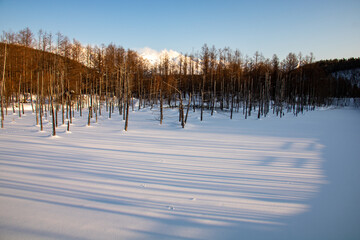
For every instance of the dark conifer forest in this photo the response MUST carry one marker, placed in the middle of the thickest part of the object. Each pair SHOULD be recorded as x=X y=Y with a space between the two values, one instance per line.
x=58 y=77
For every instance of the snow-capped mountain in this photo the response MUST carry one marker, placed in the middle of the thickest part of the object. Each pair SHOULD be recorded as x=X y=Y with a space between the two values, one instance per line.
x=155 y=57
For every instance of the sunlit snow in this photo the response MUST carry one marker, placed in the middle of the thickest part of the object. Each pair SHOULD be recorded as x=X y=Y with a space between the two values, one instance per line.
x=288 y=178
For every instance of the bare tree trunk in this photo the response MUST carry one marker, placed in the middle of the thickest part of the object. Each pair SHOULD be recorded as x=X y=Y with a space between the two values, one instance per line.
x=56 y=114
x=214 y=99
x=124 y=94
x=232 y=91
x=260 y=103
x=70 y=106
x=119 y=74
x=250 y=103
x=52 y=107
x=232 y=105
x=161 y=107
x=181 y=108
x=106 y=90
x=62 y=98
x=127 y=113
x=37 y=108
x=80 y=92
x=89 y=116
x=127 y=103
x=31 y=98
x=202 y=105
x=188 y=108
x=246 y=103
x=41 y=123
x=19 y=98
x=96 y=108
x=110 y=108
x=100 y=93
x=41 y=101
x=132 y=103
x=2 y=88
x=24 y=100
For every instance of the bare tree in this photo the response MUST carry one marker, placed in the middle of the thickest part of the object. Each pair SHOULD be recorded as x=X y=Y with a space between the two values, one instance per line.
x=2 y=87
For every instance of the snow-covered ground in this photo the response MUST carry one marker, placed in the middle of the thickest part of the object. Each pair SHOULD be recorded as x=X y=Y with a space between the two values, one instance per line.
x=288 y=178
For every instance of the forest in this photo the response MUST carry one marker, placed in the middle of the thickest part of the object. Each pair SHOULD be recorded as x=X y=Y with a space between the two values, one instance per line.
x=58 y=76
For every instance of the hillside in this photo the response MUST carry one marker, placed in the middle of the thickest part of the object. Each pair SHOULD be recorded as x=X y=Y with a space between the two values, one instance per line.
x=23 y=65
x=352 y=75
x=346 y=69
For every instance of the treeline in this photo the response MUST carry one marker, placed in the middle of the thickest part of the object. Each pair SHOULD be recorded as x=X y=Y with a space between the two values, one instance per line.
x=59 y=75
x=336 y=65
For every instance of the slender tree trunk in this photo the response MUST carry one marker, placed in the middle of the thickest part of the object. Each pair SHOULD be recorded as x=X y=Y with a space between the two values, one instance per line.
x=250 y=103
x=181 y=108
x=31 y=96
x=41 y=101
x=188 y=108
x=128 y=93
x=100 y=93
x=132 y=103
x=62 y=98
x=53 y=115
x=260 y=104
x=232 y=105
x=67 y=105
x=13 y=102
x=110 y=106
x=161 y=107
x=24 y=100
x=96 y=108
x=37 y=107
x=127 y=114
x=19 y=98
x=80 y=92
x=214 y=99
x=2 y=88
x=106 y=91
x=56 y=114
x=202 y=105
x=246 y=104
x=89 y=116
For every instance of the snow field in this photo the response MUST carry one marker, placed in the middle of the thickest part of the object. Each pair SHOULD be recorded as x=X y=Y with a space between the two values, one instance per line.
x=216 y=179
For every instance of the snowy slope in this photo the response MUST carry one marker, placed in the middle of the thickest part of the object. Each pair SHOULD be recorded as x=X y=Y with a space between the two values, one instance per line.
x=289 y=178
x=353 y=75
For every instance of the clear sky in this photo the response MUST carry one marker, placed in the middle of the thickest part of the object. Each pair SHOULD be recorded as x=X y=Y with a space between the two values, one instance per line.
x=328 y=28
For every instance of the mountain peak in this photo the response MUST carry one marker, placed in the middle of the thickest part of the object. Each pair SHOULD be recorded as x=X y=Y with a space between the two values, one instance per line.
x=154 y=56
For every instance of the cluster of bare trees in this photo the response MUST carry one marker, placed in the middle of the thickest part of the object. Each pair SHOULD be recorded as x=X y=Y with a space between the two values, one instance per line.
x=58 y=76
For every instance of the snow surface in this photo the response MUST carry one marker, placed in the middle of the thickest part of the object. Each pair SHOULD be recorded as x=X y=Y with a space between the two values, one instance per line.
x=288 y=178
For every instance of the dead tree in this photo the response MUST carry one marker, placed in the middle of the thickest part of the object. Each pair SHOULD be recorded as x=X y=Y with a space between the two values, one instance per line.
x=52 y=107
x=128 y=93
x=188 y=108
x=181 y=107
x=41 y=101
x=161 y=107
x=2 y=89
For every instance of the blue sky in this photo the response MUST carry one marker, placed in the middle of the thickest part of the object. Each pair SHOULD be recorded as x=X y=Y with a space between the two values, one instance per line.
x=329 y=29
